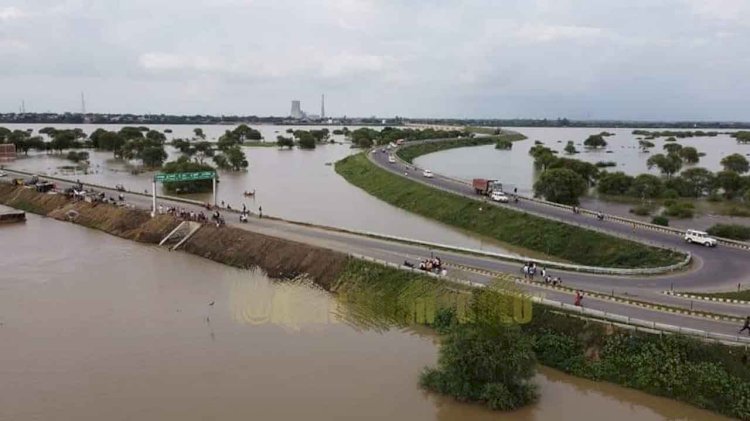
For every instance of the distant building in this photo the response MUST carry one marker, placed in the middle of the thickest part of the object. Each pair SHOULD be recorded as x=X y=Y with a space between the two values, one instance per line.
x=322 y=106
x=297 y=110
x=7 y=152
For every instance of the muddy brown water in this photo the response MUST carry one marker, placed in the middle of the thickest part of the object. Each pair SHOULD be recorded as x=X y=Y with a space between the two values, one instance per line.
x=93 y=327
x=294 y=184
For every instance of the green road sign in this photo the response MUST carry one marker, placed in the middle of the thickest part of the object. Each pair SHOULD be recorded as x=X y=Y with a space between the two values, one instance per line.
x=185 y=176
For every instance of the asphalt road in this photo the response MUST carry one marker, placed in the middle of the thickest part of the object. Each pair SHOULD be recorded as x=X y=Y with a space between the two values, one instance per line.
x=719 y=268
x=396 y=252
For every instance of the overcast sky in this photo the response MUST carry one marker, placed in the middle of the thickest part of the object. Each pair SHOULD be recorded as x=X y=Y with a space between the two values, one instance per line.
x=590 y=59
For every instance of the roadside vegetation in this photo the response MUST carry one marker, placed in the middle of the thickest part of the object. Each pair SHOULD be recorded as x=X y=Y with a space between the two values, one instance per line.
x=366 y=137
x=493 y=363
x=409 y=152
x=552 y=238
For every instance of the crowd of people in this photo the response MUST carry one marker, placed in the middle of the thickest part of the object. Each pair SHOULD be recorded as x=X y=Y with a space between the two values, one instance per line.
x=434 y=265
x=530 y=270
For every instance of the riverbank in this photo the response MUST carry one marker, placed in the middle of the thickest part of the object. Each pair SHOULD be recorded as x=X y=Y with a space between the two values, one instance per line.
x=279 y=258
x=709 y=376
x=411 y=151
x=552 y=238
x=402 y=298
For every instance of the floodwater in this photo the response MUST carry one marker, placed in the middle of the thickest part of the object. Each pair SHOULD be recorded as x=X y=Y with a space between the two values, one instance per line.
x=94 y=327
x=292 y=184
x=514 y=168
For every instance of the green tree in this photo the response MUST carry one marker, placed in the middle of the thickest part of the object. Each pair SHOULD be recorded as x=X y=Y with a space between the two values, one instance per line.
x=490 y=366
x=699 y=182
x=243 y=133
x=285 y=142
x=221 y=161
x=504 y=144
x=111 y=141
x=156 y=136
x=595 y=141
x=306 y=140
x=199 y=133
x=236 y=158
x=730 y=182
x=646 y=186
x=617 y=183
x=78 y=156
x=202 y=150
x=668 y=165
x=129 y=133
x=645 y=144
x=561 y=185
x=689 y=154
x=35 y=142
x=735 y=162
x=570 y=148
x=672 y=147
x=4 y=134
x=153 y=156
x=63 y=139
x=588 y=171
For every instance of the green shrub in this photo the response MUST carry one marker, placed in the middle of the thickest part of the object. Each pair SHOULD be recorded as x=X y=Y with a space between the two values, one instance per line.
x=671 y=194
x=478 y=364
x=733 y=231
x=641 y=210
x=660 y=220
x=680 y=210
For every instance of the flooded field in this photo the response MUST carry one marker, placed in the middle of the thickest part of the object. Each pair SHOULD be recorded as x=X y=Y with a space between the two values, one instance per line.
x=515 y=167
x=293 y=184
x=94 y=327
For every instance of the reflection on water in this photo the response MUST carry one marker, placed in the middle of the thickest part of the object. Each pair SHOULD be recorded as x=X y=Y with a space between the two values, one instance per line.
x=291 y=304
x=93 y=327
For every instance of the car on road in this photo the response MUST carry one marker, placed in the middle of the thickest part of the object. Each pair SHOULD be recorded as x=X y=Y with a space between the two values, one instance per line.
x=391 y=159
x=499 y=196
x=427 y=173
x=3 y=174
x=700 y=237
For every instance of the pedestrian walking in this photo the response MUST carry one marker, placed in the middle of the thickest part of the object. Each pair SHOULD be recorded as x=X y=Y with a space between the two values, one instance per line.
x=746 y=327
x=260 y=211
x=544 y=272
x=525 y=271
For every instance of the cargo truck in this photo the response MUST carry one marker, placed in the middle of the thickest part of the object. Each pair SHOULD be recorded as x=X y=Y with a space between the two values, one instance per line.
x=486 y=187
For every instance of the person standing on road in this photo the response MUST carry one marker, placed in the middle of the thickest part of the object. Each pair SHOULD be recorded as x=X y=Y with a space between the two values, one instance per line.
x=746 y=326
x=260 y=211
x=579 y=297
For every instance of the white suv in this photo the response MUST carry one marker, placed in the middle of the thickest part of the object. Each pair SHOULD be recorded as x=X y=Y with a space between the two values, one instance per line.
x=700 y=237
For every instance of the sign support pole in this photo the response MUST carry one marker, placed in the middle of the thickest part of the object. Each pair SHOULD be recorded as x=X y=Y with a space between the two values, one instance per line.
x=213 y=179
x=153 y=198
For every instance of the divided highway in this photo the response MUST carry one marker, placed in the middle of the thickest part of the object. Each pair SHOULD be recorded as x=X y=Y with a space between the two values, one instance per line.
x=734 y=264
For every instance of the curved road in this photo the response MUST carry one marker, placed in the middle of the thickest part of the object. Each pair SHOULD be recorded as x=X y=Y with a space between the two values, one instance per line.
x=396 y=252
x=719 y=268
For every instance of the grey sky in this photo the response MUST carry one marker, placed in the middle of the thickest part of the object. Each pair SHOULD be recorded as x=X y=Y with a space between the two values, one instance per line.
x=635 y=59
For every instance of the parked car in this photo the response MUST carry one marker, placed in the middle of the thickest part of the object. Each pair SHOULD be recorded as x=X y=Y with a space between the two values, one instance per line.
x=427 y=173
x=700 y=237
x=391 y=159
x=499 y=196
x=3 y=174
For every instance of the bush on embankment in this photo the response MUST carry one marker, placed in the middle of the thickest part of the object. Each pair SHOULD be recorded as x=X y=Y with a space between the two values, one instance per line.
x=711 y=376
x=733 y=231
x=555 y=239
x=409 y=152
x=707 y=375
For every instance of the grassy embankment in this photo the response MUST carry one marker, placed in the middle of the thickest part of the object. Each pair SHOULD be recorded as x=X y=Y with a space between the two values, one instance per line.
x=555 y=239
x=409 y=152
x=710 y=376
x=735 y=295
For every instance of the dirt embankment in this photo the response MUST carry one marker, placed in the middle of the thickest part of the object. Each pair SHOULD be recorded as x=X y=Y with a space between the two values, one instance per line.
x=232 y=246
x=278 y=257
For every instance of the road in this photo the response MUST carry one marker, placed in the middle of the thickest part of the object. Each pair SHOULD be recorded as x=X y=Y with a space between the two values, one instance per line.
x=645 y=288
x=720 y=268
